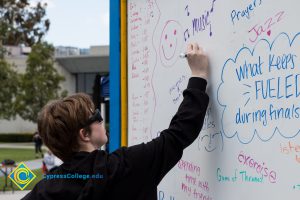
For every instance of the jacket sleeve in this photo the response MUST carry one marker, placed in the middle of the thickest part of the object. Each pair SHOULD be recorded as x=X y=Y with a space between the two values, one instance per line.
x=153 y=160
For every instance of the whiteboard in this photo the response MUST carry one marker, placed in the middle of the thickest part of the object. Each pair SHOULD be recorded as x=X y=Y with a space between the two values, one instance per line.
x=249 y=146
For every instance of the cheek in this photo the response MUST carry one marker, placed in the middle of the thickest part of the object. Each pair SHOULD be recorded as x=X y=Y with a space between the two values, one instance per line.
x=102 y=133
x=98 y=131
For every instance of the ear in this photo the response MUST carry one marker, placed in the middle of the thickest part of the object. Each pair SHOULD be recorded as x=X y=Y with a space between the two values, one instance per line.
x=84 y=135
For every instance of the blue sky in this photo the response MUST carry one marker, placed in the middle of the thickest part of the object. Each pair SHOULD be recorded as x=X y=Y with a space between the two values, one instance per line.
x=78 y=23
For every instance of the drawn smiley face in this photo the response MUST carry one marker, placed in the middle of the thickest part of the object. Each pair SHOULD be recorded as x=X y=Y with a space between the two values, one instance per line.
x=211 y=141
x=170 y=43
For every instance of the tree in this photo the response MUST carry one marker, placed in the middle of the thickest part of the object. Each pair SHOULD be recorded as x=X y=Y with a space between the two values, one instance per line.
x=40 y=83
x=9 y=82
x=22 y=23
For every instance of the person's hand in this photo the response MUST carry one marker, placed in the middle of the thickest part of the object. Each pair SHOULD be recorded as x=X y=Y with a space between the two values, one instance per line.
x=197 y=61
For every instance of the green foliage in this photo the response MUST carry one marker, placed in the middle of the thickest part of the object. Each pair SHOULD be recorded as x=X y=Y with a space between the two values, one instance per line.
x=9 y=82
x=40 y=83
x=25 y=94
x=22 y=23
x=16 y=137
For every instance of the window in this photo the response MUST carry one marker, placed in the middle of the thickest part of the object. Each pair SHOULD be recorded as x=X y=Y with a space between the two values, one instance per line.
x=85 y=82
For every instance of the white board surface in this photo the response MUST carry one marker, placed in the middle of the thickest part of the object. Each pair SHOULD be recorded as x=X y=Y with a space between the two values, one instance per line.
x=249 y=146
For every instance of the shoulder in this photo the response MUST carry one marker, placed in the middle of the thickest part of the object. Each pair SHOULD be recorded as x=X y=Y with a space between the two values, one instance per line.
x=36 y=191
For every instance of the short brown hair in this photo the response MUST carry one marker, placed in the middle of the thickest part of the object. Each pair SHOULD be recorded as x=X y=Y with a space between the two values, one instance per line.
x=59 y=123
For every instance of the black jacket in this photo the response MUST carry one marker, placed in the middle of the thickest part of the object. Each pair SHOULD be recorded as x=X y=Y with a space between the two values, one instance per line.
x=134 y=172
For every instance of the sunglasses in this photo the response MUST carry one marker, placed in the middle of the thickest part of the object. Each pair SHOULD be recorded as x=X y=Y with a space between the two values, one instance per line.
x=95 y=117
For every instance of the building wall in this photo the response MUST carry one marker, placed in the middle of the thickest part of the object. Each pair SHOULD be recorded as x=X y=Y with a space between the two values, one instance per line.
x=17 y=126
x=70 y=79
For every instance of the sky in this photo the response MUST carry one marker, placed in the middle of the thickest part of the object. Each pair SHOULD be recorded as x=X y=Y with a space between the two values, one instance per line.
x=77 y=23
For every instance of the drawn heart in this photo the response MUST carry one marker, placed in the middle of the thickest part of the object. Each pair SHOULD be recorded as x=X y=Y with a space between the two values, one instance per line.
x=269 y=32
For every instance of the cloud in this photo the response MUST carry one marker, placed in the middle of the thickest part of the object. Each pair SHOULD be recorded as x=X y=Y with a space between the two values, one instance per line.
x=104 y=28
x=260 y=90
x=105 y=19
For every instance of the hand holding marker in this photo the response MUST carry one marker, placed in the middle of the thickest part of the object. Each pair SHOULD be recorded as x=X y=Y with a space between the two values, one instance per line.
x=184 y=55
x=197 y=60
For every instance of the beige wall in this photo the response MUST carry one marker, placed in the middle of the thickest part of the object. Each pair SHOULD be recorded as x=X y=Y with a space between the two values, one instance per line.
x=17 y=126
x=70 y=79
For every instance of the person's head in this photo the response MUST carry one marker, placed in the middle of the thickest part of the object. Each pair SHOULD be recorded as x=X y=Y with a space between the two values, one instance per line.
x=70 y=125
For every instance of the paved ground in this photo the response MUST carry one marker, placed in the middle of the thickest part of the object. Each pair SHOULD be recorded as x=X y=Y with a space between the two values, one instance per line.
x=17 y=195
x=29 y=145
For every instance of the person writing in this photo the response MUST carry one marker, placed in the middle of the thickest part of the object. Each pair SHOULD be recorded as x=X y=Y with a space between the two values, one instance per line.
x=73 y=130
